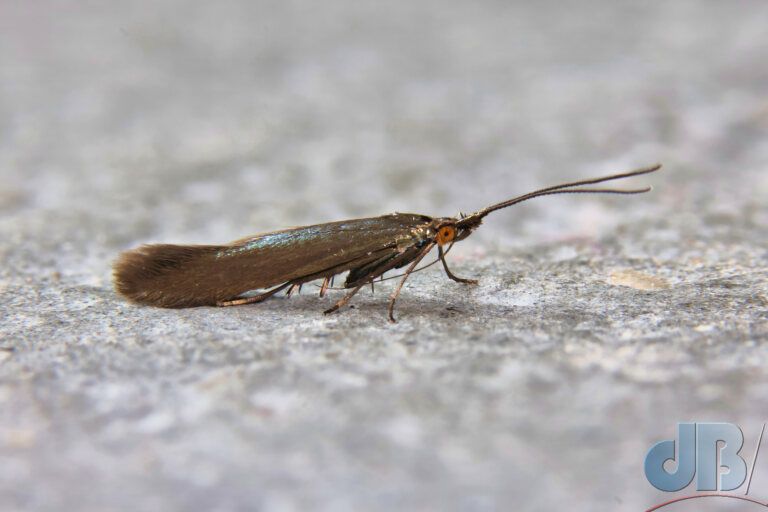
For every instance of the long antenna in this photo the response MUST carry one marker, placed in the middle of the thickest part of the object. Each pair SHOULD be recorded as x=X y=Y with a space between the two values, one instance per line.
x=474 y=219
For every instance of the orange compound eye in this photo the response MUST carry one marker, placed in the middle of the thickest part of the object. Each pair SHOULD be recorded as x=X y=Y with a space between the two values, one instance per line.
x=446 y=234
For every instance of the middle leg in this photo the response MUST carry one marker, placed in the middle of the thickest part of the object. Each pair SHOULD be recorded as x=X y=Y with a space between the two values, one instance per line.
x=409 y=270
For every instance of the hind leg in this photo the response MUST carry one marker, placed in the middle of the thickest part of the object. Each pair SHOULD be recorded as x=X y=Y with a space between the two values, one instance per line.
x=254 y=299
x=341 y=303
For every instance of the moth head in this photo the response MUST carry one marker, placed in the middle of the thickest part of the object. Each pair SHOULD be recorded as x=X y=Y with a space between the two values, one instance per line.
x=447 y=231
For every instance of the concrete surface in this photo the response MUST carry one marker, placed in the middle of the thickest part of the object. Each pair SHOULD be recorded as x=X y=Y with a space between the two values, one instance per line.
x=598 y=324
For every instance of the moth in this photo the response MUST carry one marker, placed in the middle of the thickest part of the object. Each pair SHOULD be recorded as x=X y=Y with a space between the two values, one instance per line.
x=181 y=276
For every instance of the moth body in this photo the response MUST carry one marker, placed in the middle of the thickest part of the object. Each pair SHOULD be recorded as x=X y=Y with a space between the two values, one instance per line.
x=179 y=276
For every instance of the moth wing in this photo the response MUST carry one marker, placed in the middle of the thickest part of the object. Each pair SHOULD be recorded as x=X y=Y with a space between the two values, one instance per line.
x=183 y=276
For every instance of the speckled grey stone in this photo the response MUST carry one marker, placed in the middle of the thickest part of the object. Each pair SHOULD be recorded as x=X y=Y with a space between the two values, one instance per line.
x=598 y=323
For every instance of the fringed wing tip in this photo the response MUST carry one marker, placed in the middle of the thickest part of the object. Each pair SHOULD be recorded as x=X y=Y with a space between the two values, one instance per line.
x=158 y=275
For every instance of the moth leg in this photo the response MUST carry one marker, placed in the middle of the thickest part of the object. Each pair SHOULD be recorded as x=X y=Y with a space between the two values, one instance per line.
x=448 y=271
x=341 y=303
x=365 y=275
x=324 y=286
x=390 y=263
x=251 y=300
x=408 y=271
x=293 y=288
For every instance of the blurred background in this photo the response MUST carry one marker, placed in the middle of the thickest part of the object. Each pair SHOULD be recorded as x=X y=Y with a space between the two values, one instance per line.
x=204 y=122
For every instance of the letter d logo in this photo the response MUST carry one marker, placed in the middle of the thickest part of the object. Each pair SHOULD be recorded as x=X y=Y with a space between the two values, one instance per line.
x=663 y=451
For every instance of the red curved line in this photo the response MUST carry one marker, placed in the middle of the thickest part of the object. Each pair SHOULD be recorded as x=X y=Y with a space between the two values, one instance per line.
x=713 y=495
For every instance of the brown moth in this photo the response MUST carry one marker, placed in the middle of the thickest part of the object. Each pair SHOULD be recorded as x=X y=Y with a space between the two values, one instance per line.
x=180 y=276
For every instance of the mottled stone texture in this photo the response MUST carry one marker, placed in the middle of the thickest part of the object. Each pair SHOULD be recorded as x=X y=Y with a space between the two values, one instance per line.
x=598 y=322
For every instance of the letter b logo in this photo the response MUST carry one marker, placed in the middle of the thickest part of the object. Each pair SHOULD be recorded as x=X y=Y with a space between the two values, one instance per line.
x=697 y=453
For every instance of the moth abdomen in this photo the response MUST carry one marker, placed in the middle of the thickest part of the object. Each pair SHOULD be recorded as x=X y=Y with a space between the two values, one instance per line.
x=171 y=276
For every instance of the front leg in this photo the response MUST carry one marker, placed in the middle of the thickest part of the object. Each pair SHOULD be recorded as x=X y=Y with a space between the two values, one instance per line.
x=441 y=255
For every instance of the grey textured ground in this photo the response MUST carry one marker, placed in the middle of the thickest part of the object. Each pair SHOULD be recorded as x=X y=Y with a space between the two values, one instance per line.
x=540 y=389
